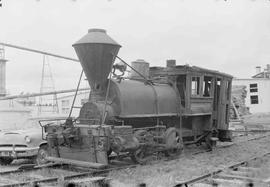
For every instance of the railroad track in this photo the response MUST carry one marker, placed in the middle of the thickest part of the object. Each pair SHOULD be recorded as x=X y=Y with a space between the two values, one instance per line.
x=37 y=176
x=55 y=173
x=238 y=174
x=244 y=173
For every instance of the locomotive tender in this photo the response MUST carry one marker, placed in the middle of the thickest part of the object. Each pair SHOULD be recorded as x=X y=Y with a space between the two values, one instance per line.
x=154 y=110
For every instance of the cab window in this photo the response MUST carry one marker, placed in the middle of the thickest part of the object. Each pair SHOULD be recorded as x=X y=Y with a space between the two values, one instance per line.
x=207 y=86
x=195 y=86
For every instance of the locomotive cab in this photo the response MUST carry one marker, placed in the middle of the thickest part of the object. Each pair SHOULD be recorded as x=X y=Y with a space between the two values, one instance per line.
x=205 y=99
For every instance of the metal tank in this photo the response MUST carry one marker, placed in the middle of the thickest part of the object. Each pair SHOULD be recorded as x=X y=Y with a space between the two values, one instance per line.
x=135 y=99
x=96 y=52
x=140 y=66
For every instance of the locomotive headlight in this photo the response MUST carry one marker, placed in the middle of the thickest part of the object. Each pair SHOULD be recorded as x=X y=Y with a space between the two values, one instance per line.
x=27 y=139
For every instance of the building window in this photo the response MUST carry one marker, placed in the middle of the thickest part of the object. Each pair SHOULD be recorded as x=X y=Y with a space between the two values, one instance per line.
x=65 y=106
x=254 y=99
x=65 y=103
x=65 y=110
x=253 y=87
x=195 y=86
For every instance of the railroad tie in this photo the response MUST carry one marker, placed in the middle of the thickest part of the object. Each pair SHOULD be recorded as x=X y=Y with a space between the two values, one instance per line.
x=89 y=182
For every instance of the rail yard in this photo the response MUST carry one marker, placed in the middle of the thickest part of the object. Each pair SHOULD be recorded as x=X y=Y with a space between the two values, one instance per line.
x=139 y=125
x=145 y=93
x=158 y=126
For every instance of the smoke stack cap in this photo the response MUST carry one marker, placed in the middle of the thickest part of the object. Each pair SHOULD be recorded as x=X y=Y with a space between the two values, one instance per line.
x=96 y=36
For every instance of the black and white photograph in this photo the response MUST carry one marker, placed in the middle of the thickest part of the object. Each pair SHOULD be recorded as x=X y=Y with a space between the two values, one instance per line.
x=135 y=93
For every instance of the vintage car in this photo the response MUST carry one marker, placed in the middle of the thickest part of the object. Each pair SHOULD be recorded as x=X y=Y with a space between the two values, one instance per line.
x=26 y=143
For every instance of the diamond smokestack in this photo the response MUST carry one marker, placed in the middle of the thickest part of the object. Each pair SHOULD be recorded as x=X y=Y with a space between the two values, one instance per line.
x=96 y=52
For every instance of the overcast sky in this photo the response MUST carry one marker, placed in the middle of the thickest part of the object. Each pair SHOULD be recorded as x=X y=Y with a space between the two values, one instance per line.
x=231 y=36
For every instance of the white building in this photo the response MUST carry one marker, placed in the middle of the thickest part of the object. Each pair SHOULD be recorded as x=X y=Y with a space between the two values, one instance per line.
x=258 y=90
x=64 y=103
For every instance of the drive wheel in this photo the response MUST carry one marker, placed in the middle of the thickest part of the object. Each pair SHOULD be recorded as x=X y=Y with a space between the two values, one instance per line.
x=42 y=154
x=140 y=156
x=140 y=135
x=5 y=161
x=173 y=141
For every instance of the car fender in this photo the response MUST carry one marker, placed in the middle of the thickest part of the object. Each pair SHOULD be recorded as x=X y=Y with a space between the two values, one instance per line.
x=43 y=143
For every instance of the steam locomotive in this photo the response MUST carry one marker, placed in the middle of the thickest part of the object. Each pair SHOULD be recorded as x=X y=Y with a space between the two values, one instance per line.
x=153 y=110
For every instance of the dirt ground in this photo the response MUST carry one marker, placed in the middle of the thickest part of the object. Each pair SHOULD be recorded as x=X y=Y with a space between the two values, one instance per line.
x=188 y=166
x=260 y=118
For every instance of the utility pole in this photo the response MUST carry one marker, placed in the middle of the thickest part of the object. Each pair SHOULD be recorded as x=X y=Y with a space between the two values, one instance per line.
x=3 y=61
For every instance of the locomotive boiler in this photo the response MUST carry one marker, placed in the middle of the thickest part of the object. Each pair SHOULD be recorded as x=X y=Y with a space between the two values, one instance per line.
x=153 y=110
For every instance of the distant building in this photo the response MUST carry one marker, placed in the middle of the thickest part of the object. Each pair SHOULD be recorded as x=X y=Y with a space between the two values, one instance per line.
x=64 y=102
x=258 y=90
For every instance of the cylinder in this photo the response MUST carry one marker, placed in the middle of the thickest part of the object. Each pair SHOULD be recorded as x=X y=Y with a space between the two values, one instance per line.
x=140 y=66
